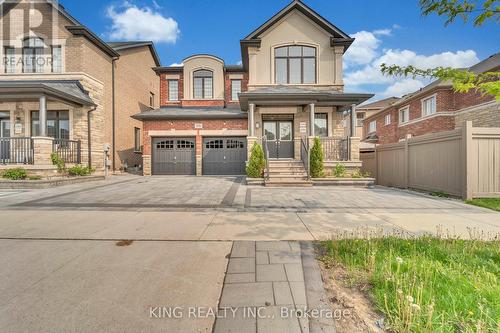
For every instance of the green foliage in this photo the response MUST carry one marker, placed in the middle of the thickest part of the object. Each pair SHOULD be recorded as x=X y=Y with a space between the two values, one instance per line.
x=360 y=174
x=339 y=171
x=80 y=170
x=58 y=162
x=426 y=284
x=440 y=194
x=317 y=159
x=34 y=177
x=257 y=163
x=15 y=174
x=463 y=81
x=491 y=203
x=451 y=9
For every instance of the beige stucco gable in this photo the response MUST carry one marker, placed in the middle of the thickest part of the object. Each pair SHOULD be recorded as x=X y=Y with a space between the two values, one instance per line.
x=296 y=28
x=208 y=62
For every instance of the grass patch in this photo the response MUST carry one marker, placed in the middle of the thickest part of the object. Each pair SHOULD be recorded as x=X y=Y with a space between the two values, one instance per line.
x=427 y=284
x=491 y=203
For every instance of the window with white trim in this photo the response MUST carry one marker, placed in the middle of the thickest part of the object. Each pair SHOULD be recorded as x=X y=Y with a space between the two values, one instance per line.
x=428 y=106
x=373 y=126
x=235 y=89
x=203 y=84
x=173 y=90
x=9 y=60
x=56 y=59
x=33 y=55
x=295 y=64
x=360 y=116
x=387 y=119
x=404 y=115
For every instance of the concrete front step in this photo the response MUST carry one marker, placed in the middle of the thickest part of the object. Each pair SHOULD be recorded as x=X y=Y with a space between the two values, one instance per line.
x=273 y=173
x=274 y=183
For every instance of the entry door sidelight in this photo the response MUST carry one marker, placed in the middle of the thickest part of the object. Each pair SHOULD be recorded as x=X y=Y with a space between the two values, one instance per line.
x=4 y=144
x=279 y=136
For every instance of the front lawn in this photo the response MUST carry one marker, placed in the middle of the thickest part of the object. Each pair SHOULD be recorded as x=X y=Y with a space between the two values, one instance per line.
x=491 y=203
x=427 y=284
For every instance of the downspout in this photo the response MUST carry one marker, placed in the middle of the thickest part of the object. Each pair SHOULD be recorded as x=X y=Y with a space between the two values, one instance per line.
x=113 y=116
x=89 y=135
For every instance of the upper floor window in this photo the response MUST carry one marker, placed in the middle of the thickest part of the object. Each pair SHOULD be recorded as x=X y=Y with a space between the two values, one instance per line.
x=173 y=90
x=295 y=65
x=151 y=99
x=404 y=115
x=235 y=89
x=56 y=59
x=428 y=106
x=203 y=84
x=9 y=60
x=388 y=119
x=373 y=126
x=33 y=55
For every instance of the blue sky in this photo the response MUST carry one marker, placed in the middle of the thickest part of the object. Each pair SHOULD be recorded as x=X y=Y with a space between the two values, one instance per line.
x=386 y=31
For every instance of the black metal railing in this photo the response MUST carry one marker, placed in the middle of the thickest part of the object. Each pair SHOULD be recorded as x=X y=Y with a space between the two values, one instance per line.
x=16 y=150
x=266 y=157
x=304 y=155
x=68 y=150
x=335 y=148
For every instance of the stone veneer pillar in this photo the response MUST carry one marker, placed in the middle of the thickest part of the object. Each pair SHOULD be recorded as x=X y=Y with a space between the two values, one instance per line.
x=354 y=147
x=146 y=165
x=42 y=149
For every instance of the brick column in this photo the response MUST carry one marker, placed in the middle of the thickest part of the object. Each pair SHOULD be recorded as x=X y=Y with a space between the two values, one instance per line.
x=354 y=148
x=146 y=165
x=199 y=152
x=42 y=148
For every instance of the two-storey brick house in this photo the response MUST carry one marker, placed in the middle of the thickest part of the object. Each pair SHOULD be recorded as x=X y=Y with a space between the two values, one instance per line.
x=434 y=108
x=288 y=90
x=64 y=90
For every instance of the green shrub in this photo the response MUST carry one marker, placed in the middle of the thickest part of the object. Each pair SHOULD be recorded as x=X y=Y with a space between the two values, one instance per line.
x=15 y=174
x=360 y=174
x=257 y=163
x=80 y=170
x=58 y=162
x=34 y=177
x=339 y=171
x=316 y=159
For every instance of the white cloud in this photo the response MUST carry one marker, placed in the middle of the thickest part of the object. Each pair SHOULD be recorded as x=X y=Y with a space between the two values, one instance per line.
x=239 y=63
x=132 y=23
x=363 y=64
x=177 y=64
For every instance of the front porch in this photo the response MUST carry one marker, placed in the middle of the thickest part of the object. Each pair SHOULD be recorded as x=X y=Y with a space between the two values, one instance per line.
x=286 y=120
x=39 y=118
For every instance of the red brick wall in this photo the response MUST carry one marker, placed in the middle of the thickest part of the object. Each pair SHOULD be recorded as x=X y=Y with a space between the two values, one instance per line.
x=446 y=101
x=227 y=90
x=166 y=125
x=202 y=102
x=164 y=91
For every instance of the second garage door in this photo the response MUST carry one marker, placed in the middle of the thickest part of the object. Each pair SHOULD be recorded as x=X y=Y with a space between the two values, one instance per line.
x=173 y=156
x=224 y=156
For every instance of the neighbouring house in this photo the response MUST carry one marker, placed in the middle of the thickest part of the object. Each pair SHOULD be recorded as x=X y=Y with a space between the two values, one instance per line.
x=434 y=108
x=288 y=90
x=64 y=90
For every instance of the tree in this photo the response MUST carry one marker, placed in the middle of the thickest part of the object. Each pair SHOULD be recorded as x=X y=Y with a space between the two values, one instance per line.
x=487 y=83
x=316 y=159
x=257 y=163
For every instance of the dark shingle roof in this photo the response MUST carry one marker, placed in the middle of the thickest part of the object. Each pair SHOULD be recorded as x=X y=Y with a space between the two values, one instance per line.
x=191 y=113
x=69 y=90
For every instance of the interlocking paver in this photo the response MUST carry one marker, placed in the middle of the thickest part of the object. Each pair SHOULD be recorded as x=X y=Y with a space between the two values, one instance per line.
x=271 y=273
x=273 y=246
x=273 y=322
x=282 y=293
x=294 y=272
x=247 y=294
x=243 y=249
x=239 y=322
x=262 y=257
x=284 y=257
x=240 y=278
x=241 y=265
x=298 y=293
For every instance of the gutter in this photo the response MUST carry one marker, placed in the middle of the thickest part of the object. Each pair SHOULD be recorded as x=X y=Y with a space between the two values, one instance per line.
x=89 y=136
x=113 y=112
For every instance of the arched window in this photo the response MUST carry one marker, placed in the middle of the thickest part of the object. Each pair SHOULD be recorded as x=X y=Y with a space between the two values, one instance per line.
x=203 y=84
x=33 y=60
x=295 y=64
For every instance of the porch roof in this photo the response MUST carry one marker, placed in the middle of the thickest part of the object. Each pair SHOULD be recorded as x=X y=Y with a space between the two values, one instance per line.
x=66 y=90
x=287 y=95
x=178 y=113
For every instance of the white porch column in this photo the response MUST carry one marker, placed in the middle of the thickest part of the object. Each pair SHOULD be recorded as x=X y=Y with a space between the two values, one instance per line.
x=42 y=116
x=353 y=120
x=311 y=119
x=251 y=120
